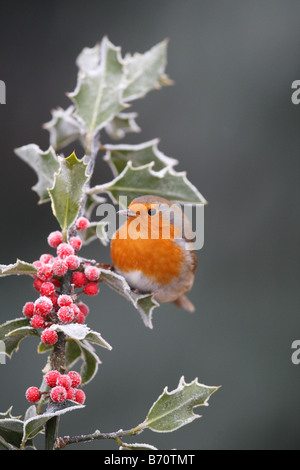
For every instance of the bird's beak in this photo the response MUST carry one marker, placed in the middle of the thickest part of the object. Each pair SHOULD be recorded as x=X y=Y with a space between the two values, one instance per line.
x=127 y=213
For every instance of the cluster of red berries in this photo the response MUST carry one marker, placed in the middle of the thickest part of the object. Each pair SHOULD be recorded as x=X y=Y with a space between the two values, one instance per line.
x=53 y=306
x=63 y=387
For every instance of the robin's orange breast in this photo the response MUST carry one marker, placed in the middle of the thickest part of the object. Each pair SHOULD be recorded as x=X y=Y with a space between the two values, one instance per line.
x=159 y=259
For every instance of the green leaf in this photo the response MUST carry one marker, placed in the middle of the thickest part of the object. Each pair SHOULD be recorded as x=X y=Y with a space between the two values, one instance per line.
x=80 y=332
x=121 y=125
x=167 y=183
x=63 y=128
x=72 y=352
x=96 y=230
x=18 y=268
x=13 y=331
x=146 y=71
x=118 y=156
x=144 y=303
x=98 y=94
x=175 y=409
x=90 y=363
x=11 y=431
x=67 y=191
x=45 y=164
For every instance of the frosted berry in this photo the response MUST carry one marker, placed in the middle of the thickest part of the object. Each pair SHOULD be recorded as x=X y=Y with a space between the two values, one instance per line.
x=76 y=243
x=65 y=381
x=47 y=289
x=59 y=267
x=80 y=318
x=54 y=299
x=56 y=283
x=79 y=279
x=64 y=250
x=73 y=262
x=37 y=321
x=58 y=394
x=55 y=239
x=75 y=378
x=43 y=306
x=49 y=336
x=79 y=396
x=70 y=393
x=28 y=309
x=82 y=223
x=51 y=378
x=37 y=284
x=65 y=314
x=92 y=273
x=64 y=300
x=83 y=308
x=45 y=272
x=33 y=394
x=46 y=258
x=91 y=288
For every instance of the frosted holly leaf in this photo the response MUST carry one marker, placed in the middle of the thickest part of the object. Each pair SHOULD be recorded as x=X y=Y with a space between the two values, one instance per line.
x=96 y=230
x=89 y=58
x=63 y=128
x=121 y=125
x=173 y=410
x=18 y=268
x=117 y=156
x=13 y=332
x=80 y=332
x=144 y=303
x=45 y=164
x=98 y=93
x=67 y=191
x=145 y=72
x=142 y=180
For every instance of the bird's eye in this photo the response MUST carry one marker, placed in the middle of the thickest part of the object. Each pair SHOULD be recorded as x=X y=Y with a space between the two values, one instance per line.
x=152 y=212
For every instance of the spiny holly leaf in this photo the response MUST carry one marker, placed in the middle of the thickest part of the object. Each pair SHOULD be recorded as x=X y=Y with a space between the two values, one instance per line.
x=144 y=303
x=98 y=94
x=175 y=409
x=13 y=331
x=121 y=125
x=11 y=431
x=146 y=71
x=142 y=180
x=96 y=230
x=80 y=332
x=63 y=128
x=45 y=164
x=67 y=191
x=18 y=268
x=118 y=156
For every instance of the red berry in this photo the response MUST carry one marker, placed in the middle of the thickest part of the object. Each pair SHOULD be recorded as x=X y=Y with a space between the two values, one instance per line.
x=51 y=377
x=75 y=378
x=45 y=272
x=55 y=239
x=91 y=288
x=47 y=289
x=83 y=308
x=92 y=273
x=37 y=284
x=43 y=306
x=79 y=396
x=65 y=314
x=49 y=336
x=80 y=318
x=33 y=394
x=53 y=299
x=64 y=250
x=65 y=381
x=79 y=279
x=64 y=300
x=58 y=394
x=70 y=393
x=82 y=223
x=46 y=258
x=37 y=321
x=28 y=309
x=73 y=262
x=76 y=243
x=56 y=282
x=59 y=267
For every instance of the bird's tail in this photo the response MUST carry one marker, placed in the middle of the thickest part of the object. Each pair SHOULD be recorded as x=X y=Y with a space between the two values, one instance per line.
x=184 y=302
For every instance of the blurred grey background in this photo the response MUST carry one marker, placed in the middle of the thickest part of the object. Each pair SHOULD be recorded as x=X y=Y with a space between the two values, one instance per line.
x=230 y=121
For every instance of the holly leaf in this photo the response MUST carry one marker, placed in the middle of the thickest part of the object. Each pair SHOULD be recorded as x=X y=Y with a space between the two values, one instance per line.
x=117 y=156
x=121 y=125
x=173 y=410
x=63 y=128
x=144 y=303
x=90 y=363
x=142 y=180
x=145 y=72
x=11 y=431
x=98 y=93
x=45 y=164
x=18 y=268
x=67 y=191
x=80 y=332
x=96 y=230
x=13 y=331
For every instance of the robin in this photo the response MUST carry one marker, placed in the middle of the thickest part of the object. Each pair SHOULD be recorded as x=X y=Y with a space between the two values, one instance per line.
x=153 y=252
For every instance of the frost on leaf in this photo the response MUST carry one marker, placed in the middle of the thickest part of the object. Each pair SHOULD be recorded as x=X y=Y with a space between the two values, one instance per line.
x=63 y=128
x=18 y=268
